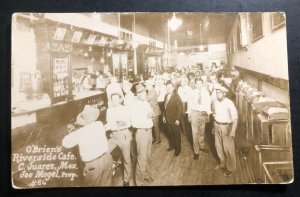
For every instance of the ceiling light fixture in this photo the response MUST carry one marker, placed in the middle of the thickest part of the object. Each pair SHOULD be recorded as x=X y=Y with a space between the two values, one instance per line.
x=201 y=47
x=174 y=22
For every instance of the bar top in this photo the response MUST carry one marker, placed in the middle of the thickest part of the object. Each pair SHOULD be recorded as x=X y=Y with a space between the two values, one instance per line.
x=36 y=105
x=86 y=94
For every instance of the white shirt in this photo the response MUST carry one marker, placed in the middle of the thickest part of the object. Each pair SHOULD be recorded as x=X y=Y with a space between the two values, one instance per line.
x=129 y=99
x=139 y=115
x=118 y=114
x=225 y=111
x=183 y=92
x=214 y=95
x=161 y=92
x=113 y=88
x=100 y=83
x=193 y=100
x=86 y=83
x=167 y=99
x=91 y=140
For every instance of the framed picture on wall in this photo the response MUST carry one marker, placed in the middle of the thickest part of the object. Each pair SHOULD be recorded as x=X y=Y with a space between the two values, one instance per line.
x=256 y=24
x=277 y=20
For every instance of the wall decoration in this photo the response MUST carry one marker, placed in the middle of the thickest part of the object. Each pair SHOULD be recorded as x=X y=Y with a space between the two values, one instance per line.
x=59 y=34
x=256 y=24
x=76 y=36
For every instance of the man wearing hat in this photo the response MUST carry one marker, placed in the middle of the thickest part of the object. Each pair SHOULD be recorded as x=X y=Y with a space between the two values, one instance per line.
x=129 y=98
x=152 y=99
x=226 y=119
x=113 y=87
x=93 y=148
x=129 y=101
x=141 y=119
x=118 y=121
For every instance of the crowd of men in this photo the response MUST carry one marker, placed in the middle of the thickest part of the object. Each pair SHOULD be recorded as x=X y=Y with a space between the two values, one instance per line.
x=170 y=102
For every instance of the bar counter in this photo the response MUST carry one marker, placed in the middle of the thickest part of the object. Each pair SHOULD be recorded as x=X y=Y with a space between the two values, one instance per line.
x=35 y=110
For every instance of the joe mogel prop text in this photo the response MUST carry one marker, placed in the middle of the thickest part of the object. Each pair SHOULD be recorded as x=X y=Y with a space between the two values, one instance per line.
x=37 y=166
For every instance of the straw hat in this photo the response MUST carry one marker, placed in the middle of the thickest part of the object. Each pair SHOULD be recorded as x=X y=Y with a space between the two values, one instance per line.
x=88 y=115
x=221 y=88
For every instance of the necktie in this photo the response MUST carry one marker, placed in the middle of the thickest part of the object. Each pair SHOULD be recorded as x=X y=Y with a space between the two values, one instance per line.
x=199 y=100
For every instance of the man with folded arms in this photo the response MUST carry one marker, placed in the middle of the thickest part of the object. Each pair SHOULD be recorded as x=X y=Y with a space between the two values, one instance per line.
x=141 y=119
x=118 y=121
x=226 y=120
x=93 y=148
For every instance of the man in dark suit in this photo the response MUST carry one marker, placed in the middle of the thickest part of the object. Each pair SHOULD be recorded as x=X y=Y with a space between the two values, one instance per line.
x=171 y=115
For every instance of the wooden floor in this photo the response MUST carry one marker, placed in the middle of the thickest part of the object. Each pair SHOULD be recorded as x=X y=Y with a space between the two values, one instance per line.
x=166 y=169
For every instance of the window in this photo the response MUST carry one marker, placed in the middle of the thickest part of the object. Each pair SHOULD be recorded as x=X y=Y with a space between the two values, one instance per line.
x=256 y=26
x=278 y=20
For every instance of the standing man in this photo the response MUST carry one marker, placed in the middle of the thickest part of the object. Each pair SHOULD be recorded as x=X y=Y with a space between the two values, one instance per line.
x=184 y=91
x=172 y=116
x=141 y=119
x=152 y=99
x=161 y=91
x=226 y=120
x=118 y=122
x=129 y=99
x=93 y=148
x=199 y=108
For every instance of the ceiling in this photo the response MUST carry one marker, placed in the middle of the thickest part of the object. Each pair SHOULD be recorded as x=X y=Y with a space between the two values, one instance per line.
x=215 y=26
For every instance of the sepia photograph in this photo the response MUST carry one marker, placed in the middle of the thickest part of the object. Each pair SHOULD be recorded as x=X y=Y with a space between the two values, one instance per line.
x=122 y=99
